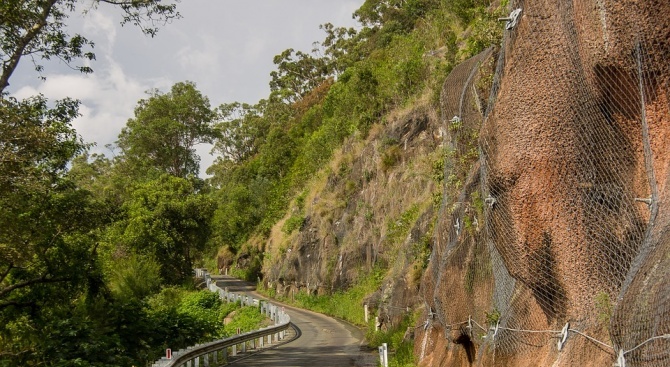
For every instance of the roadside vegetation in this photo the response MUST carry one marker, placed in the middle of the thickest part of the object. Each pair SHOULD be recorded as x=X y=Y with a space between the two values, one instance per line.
x=348 y=305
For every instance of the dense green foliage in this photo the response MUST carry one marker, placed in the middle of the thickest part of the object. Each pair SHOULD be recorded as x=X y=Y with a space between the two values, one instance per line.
x=166 y=128
x=85 y=253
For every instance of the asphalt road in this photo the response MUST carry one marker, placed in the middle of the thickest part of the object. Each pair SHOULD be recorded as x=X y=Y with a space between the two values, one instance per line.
x=322 y=341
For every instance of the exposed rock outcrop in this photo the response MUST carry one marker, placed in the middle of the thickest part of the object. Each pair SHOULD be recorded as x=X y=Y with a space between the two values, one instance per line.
x=572 y=181
x=371 y=209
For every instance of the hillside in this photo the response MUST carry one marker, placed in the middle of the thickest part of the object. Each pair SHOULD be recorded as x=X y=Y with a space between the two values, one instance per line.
x=552 y=203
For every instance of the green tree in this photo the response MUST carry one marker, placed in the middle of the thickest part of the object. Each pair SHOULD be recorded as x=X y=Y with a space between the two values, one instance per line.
x=377 y=13
x=36 y=143
x=166 y=128
x=168 y=220
x=47 y=226
x=343 y=47
x=241 y=129
x=297 y=74
x=37 y=29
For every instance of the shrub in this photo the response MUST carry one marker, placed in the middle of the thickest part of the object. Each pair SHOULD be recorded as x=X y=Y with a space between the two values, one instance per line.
x=293 y=223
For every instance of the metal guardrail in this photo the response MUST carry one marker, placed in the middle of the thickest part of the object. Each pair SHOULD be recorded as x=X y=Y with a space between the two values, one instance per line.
x=217 y=352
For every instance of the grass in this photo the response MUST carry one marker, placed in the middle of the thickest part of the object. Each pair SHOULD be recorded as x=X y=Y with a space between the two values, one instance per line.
x=246 y=319
x=401 y=351
x=346 y=305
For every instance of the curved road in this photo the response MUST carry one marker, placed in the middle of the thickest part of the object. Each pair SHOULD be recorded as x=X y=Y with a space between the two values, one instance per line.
x=322 y=341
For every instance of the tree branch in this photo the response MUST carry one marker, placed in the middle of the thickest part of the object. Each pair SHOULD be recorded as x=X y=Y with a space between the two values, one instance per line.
x=9 y=354
x=10 y=65
x=26 y=283
x=16 y=304
x=4 y=275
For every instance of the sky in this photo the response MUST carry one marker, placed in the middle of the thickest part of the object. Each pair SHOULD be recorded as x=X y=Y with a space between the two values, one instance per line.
x=225 y=47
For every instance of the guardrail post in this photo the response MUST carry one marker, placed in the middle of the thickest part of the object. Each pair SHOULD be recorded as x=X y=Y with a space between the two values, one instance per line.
x=196 y=361
x=244 y=347
x=260 y=341
x=216 y=358
x=234 y=351
x=224 y=355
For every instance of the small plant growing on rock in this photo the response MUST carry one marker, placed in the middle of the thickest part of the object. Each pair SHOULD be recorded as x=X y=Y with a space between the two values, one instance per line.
x=293 y=223
x=493 y=317
x=604 y=307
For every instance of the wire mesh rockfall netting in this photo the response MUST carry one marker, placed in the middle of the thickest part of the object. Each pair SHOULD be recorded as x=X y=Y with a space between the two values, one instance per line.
x=553 y=244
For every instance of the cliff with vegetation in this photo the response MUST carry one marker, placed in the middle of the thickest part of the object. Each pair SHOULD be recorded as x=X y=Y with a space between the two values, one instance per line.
x=522 y=207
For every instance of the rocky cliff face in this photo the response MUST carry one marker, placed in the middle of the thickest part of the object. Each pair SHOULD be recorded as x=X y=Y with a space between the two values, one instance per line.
x=572 y=181
x=370 y=209
x=549 y=247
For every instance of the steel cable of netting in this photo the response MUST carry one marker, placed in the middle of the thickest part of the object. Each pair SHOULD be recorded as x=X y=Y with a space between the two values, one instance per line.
x=454 y=90
x=548 y=331
x=558 y=332
x=664 y=336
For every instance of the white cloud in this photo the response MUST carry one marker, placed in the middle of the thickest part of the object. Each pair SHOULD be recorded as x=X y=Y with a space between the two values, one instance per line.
x=100 y=26
x=202 y=58
x=108 y=100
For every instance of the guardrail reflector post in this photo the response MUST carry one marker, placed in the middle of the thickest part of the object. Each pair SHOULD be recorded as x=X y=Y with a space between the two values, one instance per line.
x=168 y=353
